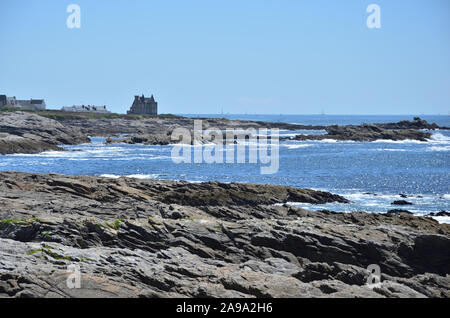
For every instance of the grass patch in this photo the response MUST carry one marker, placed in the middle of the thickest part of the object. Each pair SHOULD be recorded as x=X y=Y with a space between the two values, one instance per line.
x=47 y=250
x=12 y=222
x=7 y=222
x=115 y=225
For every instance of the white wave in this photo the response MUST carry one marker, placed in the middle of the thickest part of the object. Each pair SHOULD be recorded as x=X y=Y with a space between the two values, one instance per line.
x=440 y=137
x=390 y=149
x=134 y=176
x=189 y=145
x=42 y=154
x=143 y=176
x=297 y=204
x=301 y=132
x=357 y=196
x=138 y=158
x=284 y=135
x=110 y=176
x=439 y=148
x=335 y=141
x=96 y=152
x=442 y=219
x=297 y=146
x=364 y=196
x=406 y=141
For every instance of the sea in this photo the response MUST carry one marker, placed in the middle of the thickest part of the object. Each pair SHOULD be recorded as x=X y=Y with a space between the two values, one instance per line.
x=370 y=174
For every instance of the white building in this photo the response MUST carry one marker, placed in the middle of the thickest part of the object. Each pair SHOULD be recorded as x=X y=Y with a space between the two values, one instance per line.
x=32 y=104
x=86 y=109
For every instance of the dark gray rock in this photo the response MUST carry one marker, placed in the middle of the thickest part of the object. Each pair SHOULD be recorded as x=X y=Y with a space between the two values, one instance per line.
x=442 y=213
x=366 y=133
x=403 y=130
x=401 y=202
x=398 y=212
x=140 y=238
x=22 y=132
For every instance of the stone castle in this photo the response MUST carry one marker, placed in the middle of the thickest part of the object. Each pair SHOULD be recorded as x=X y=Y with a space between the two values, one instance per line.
x=144 y=106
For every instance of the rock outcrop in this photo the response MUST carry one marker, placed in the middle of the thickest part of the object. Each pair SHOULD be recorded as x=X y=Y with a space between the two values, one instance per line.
x=164 y=125
x=403 y=130
x=401 y=202
x=22 y=132
x=366 y=133
x=417 y=123
x=142 y=238
x=146 y=139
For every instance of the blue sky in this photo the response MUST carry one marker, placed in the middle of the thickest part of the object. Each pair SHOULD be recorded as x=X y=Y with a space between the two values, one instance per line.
x=252 y=56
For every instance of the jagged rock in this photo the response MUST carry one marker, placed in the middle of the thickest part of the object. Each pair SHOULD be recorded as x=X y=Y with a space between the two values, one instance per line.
x=403 y=130
x=155 y=139
x=442 y=213
x=146 y=238
x=401 y=202
x=417 y=123
x=22 y=132
x=398 y=212
x=366 y=133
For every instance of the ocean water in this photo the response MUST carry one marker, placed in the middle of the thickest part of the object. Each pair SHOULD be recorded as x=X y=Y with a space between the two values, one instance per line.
x=371 y=175
x=325 y=120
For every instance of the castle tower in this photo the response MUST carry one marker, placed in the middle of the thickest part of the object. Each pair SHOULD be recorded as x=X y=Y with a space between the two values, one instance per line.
x=144 y=106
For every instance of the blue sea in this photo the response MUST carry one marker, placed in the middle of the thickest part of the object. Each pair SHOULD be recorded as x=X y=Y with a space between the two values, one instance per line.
x=371 y=175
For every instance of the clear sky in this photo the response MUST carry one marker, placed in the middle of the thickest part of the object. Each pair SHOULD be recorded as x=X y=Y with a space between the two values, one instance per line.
x=245 y=56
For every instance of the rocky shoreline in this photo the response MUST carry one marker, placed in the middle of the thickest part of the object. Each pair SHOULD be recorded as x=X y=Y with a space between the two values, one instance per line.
x=29 y=133
x=147 y=238
x=403 y=130
x=366 y=133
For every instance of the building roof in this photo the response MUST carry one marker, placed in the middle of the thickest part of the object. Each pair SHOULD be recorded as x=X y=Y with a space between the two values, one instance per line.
x=146 y=99
x=37 y=101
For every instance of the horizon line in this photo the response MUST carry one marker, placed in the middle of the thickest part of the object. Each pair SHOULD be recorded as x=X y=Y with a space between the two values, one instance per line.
x=310 y=114
x=288 y=114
